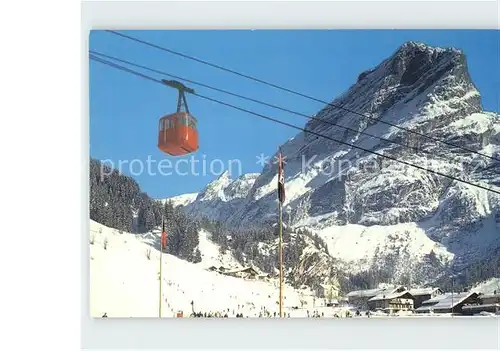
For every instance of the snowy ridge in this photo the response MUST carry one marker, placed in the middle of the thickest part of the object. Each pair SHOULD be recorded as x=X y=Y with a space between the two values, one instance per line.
x=221 y=197
x=181 y=200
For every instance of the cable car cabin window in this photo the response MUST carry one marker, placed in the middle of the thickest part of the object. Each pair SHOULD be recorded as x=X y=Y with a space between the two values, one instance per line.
x=192 y=122
x=168 y=123
x=181 y=120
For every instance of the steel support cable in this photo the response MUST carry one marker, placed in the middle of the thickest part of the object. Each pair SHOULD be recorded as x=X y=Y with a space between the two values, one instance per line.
x=119 y=67
x=299 y=94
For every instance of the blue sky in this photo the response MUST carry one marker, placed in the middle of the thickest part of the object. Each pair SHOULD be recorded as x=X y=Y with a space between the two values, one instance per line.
x=124 y=109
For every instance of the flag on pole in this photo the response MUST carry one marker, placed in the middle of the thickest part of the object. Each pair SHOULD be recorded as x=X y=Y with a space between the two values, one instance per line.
x=163 y=237
x=163 y=244
x=281 y=198
x=281 y=178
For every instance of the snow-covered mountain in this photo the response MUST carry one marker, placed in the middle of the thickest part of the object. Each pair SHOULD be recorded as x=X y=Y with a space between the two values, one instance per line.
x=372 y=211
x=221 y=197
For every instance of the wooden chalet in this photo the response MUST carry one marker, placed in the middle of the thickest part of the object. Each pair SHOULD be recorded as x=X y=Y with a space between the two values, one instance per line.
x=489 y=299
x=448 y=303
x=394 y=298
x=359 y=298
x=424 y=294
x=489 y=303
x=398 y=299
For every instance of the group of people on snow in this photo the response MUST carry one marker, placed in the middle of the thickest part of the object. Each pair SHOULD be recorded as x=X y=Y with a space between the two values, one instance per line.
x=209 y=315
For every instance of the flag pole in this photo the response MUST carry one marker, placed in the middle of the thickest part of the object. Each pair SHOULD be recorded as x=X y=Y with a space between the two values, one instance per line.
x=281 y=199
x=281 y=260
x=161 y=255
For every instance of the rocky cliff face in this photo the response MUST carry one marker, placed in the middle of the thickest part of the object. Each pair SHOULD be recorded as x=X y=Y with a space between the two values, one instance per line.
x=367 y=207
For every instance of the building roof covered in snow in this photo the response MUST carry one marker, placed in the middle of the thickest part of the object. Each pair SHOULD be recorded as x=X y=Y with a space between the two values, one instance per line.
x=424 y=291
x=483 y=306
x=370 y=293
x=364 y=293
x=446 y=301
x=389 y=295
x=434 y=300
x=242 y=270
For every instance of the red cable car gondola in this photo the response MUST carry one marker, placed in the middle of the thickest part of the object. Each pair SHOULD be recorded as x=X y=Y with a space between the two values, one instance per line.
x=177 y=132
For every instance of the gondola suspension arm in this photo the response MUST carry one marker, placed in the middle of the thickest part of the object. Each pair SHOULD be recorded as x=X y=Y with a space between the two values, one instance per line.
x=182 y=89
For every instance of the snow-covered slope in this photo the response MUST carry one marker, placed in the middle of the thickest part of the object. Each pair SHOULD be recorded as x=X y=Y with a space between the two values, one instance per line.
x=124 y=272
x=365 y=206
x=355 y=243
x=211 y=255
x=124 y=281
x=181 y=200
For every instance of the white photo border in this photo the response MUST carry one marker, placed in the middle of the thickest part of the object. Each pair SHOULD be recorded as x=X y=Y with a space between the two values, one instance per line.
x=138 y=333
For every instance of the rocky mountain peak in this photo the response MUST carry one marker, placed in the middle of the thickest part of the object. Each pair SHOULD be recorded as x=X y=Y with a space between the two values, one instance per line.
x=416 y=80
x=416 y=62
